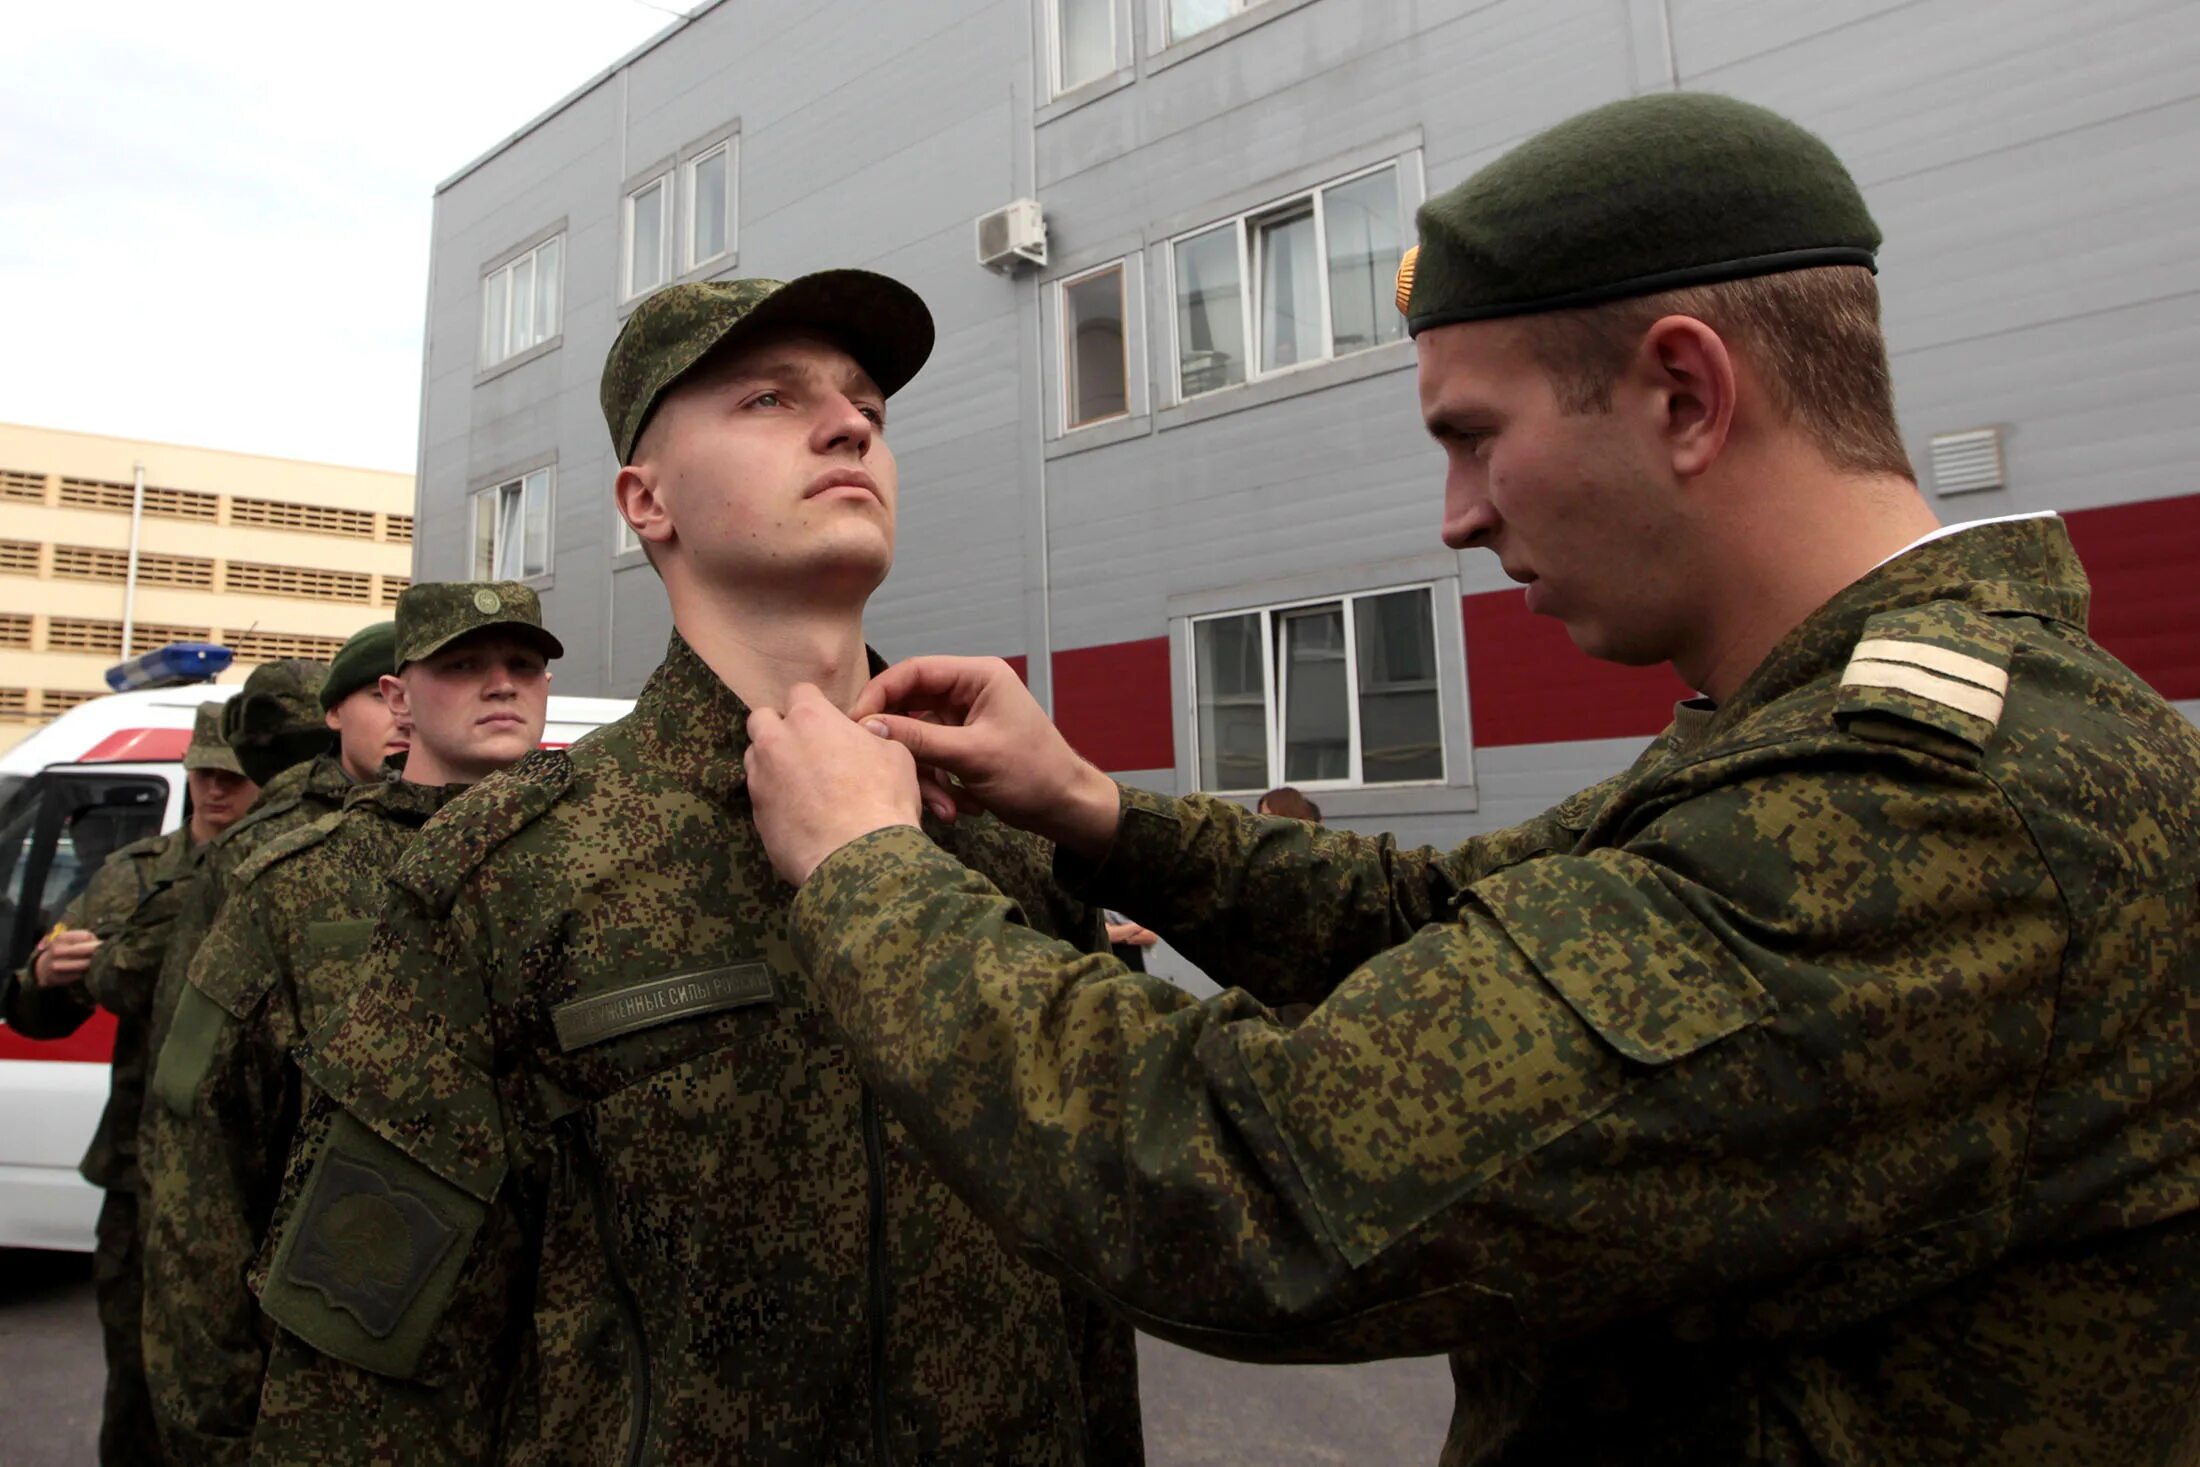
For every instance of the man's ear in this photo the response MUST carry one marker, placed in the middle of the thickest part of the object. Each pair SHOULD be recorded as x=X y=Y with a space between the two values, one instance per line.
x=334 y=723
x=393 y=697
x=1692 y=381
x=641 y=502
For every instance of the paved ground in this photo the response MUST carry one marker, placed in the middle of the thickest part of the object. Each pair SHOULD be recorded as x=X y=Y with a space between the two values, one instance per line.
x=1199 y=1412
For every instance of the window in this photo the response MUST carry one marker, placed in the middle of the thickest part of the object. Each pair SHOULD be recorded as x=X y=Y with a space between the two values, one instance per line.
x=1084 y=42
x=1187 y=18
x=708 y=183
x=1333 y=693
x=512 y=529
x=397 y=528
x=320 y=519
x=646 y=239
x=623 y=538
x=1322 y=269
x=520 y=302
x=1095 y=367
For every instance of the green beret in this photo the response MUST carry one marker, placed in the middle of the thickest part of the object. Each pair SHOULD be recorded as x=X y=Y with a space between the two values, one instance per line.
x=276 y=719
x=878 y=321
x=1649 y=194
x=360 y=662
x=433 y=614
x=208 y=749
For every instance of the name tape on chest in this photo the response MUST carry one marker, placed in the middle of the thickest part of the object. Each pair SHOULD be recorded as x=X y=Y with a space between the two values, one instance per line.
x=585 y=1021
x=1955 y=680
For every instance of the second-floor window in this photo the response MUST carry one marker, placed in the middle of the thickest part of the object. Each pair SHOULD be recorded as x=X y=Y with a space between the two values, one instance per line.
x=1084 y=42
x=708 y=188
x=1095 y=369
x=1303 y=280
x=520 y=302
x=646 y=237
x=1333 y=693
x=512 y=528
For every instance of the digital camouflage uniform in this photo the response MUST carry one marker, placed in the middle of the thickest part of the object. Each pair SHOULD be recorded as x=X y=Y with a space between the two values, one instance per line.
x=282 y=955
x=1822 y=1090
x=130 y=905
x=588 y=1178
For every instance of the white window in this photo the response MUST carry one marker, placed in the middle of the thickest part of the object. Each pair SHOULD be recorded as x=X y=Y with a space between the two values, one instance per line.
x=707 y=182
x=646 y=238
x=1187 y=18
x=1336 y=693
x=520 y=302
x=1322 y=269
x=624 y=537
x=512 y=528
x=1084 y=42
x=1095 y=367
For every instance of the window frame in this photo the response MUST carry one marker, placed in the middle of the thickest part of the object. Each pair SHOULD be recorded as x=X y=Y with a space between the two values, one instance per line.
x=1056 y=85
x=665 y=175
x=496 y=485
x=1244 y=223
x=1169 y=37
x=1066 y=345
x=727 y=141
x=502 y=265
x=1275 y=688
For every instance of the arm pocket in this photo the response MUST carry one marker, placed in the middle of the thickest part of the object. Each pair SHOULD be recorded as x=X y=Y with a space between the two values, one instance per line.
x=371 y=1258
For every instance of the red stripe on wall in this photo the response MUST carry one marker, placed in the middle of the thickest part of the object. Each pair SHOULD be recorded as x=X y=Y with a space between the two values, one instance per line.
x=2144 y=562
x=1527 y=683
x=94 y=1043
x=1112 y=703
x=1022 y=666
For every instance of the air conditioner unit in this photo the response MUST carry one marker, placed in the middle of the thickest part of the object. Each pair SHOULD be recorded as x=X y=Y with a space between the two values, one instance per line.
x=1016 y=235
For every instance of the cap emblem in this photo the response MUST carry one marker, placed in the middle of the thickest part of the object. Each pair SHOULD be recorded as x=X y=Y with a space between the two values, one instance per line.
x=487 y=602
x=1406 y=263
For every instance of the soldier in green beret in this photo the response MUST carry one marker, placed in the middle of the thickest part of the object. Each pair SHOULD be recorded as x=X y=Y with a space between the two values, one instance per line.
x=466 y=666
x=1821 y=1089
x=107 y=951
x=586 y=1175
x=352 y=705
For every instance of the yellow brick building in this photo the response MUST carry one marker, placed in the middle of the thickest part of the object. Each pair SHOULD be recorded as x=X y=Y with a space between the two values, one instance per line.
x=270 y=557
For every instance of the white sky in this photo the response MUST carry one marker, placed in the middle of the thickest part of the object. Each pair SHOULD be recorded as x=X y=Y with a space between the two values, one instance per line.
x=214 y=216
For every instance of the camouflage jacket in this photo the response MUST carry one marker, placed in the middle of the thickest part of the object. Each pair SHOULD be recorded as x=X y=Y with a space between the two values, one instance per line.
x=298 y=796
x=591 y=1179
x=131 y=903
x=282 y=954
x=1824 y=1089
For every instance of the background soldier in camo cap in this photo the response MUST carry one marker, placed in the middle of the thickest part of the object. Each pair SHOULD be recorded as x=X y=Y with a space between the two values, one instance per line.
x=466 y=666
x=1822 y=1089
x=592 y=1179
x=107 y=951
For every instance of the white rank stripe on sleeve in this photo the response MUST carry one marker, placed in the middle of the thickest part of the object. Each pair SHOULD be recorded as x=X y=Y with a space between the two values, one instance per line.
x=1953 y=679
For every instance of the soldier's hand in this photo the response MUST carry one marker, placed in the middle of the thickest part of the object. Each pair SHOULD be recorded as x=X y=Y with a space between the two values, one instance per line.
x=974 y=719
x=818 y=781
x=65 y=959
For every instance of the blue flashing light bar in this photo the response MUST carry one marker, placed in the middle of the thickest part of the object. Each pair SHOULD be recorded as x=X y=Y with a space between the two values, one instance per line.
x=171 y=666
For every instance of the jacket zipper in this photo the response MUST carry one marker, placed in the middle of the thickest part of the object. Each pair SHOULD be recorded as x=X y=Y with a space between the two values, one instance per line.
x=874 y=1152
x=622 y=1288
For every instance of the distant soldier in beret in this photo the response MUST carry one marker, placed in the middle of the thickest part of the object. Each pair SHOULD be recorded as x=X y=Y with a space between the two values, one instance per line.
x=586 y=1176
x=466 y=665
x=107 y=951
x=1822 y=1089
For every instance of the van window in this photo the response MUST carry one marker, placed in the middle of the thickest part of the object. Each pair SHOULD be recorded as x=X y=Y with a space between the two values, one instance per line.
x=55 y=831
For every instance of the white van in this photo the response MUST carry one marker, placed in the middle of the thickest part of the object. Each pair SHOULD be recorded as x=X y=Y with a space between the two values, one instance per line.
x=103 y=774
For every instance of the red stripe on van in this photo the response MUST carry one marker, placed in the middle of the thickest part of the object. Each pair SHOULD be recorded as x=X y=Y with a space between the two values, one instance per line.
x=92 y=1044
x=144 y=745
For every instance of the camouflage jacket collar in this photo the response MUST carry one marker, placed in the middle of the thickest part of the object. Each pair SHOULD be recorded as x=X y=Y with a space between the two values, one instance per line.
x=2022 y=566
x=695 y=725
x=402 y=801
x=177 y=859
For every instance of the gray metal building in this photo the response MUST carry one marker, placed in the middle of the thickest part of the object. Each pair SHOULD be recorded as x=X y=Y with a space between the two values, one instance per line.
x=1177 y=470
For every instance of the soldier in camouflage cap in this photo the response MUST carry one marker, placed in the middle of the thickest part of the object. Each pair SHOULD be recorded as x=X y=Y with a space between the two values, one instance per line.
x=107 y=951
x=353 y=707
x=650 y=1210
x=1820 y=1089
x=470 y=676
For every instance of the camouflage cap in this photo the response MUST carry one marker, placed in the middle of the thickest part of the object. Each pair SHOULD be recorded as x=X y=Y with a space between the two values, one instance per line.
x=276 y=720
x=433 y=614
x=1648 y=194
x=879 y=321
x=360 y=662
x=208 y=749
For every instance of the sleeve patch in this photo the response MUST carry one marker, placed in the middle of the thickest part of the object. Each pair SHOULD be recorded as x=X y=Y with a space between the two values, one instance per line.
x=188 y=1052
x=366 y=1267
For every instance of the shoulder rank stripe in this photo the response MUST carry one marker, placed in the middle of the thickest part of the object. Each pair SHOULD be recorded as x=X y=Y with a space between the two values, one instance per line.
x=1902 y=673
x=1974 y=670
